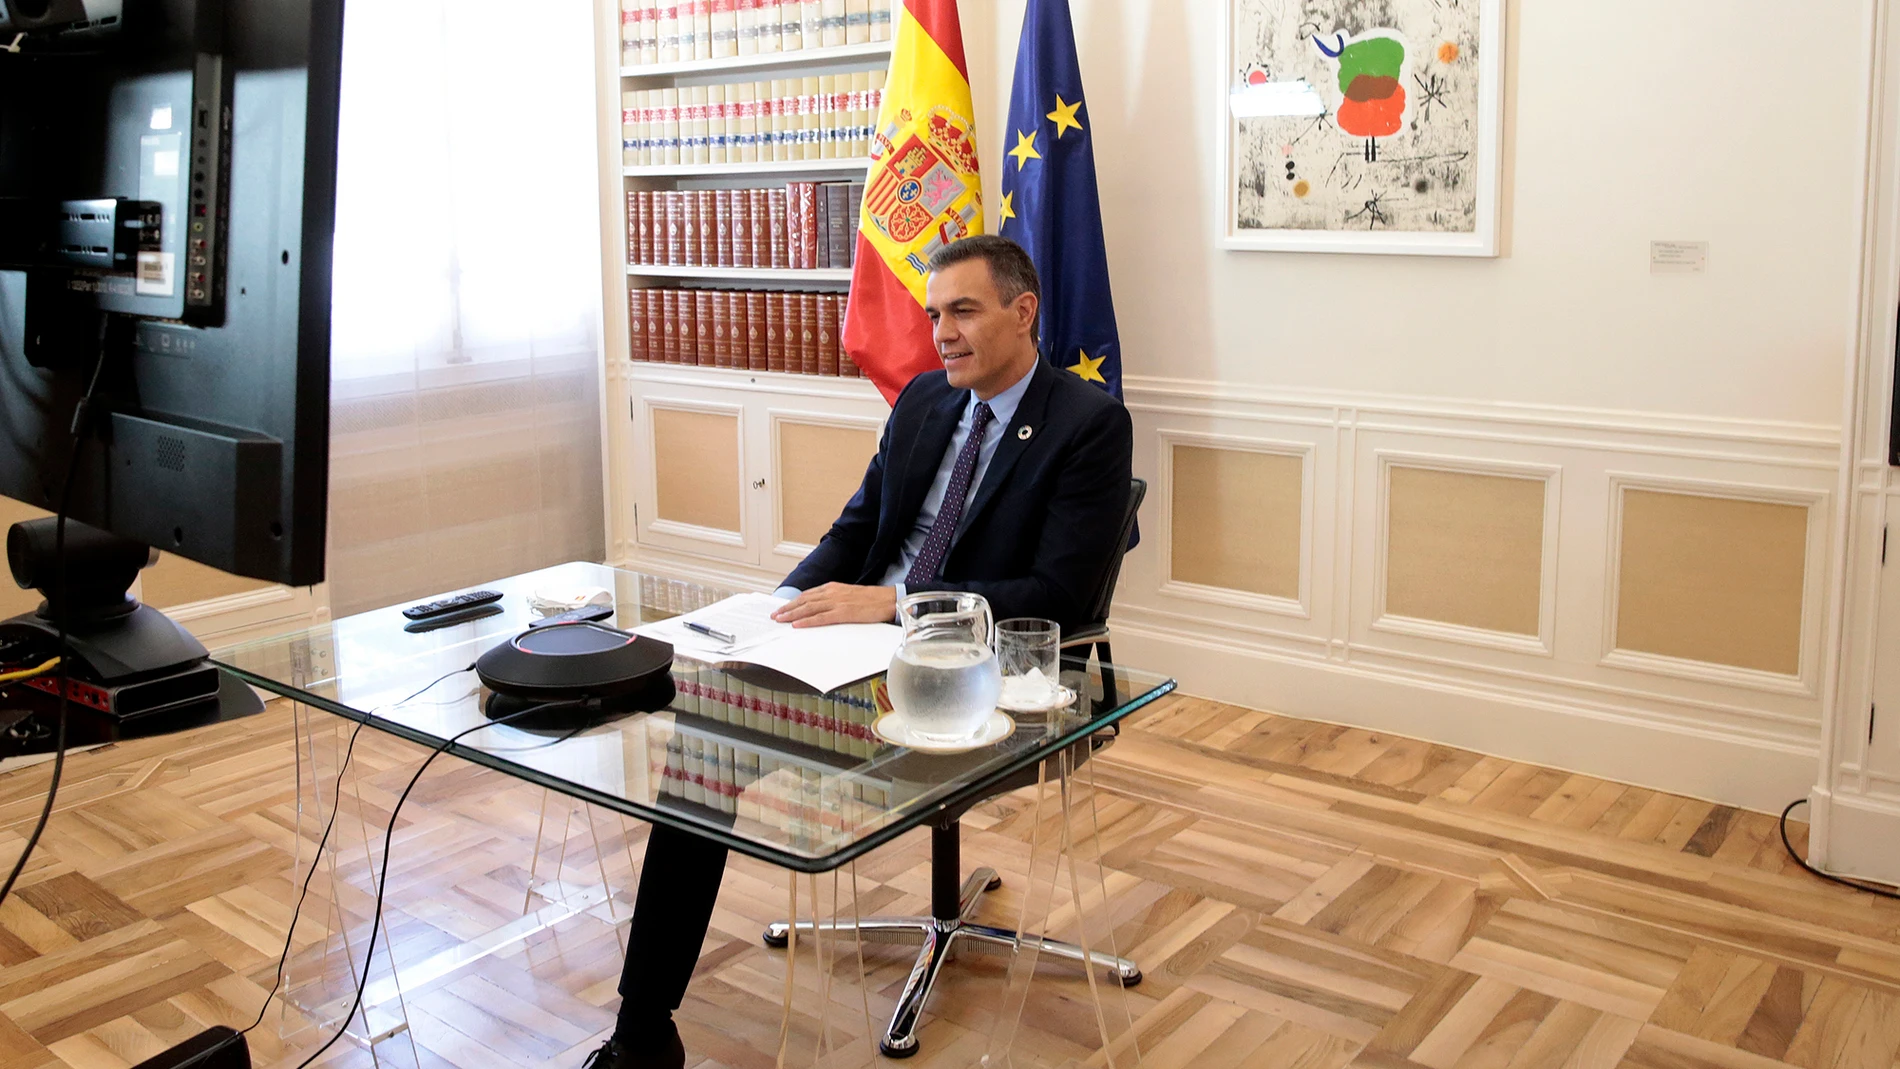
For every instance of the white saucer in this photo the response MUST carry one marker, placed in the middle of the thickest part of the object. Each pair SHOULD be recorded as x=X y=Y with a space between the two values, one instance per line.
x=1061 y=699
x=892 y=728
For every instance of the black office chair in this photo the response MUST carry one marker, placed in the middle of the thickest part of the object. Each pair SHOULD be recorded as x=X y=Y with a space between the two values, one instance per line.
x=1095 y=636
x=951 y=902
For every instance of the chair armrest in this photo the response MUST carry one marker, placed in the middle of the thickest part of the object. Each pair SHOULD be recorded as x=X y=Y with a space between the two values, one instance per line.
x=1086 y=635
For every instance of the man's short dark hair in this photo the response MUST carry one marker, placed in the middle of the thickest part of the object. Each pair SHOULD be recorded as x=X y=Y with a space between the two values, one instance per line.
x=1010 y=266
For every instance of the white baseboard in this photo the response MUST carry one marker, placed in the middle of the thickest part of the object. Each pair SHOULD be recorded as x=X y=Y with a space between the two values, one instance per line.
x=1855 y=836
x=1754 y=773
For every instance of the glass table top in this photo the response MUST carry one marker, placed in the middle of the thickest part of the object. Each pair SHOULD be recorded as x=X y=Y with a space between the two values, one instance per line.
x=744 y=756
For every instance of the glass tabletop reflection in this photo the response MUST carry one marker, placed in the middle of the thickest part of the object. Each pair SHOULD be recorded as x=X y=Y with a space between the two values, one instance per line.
x=742 y=755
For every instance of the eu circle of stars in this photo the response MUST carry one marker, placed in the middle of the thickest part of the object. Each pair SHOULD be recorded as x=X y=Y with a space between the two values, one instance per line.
x=1065 y=120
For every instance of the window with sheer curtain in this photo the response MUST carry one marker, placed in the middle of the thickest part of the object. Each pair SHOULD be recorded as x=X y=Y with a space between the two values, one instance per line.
x=465 y=420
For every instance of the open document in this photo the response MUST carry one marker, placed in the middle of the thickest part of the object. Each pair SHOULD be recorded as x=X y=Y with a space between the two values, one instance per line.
x=742 y=630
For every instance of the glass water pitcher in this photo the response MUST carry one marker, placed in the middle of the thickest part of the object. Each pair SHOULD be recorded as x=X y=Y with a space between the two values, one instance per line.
x=945 y=679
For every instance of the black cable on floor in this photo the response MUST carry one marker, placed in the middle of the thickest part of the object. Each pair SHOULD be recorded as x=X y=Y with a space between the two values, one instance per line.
x=336 y=795
x=78 y=428
x=1828 y=876
x=304 y=892
x=382 y=877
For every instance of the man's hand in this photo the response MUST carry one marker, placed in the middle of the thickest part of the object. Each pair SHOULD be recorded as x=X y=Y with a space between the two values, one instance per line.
x=840 y=603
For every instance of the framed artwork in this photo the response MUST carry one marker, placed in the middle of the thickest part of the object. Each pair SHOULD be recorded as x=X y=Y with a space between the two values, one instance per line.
x=1361 y=126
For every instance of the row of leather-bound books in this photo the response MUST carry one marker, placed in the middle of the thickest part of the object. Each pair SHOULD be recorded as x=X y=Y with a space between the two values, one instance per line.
x=676 y=31
x=815 y=117
x=728 y=774
x=804 y=802
x=747 y=330
x=839 y=722
x=802 y=226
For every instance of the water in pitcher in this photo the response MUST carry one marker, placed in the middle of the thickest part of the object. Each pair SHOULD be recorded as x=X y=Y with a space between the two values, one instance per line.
x=946 y=690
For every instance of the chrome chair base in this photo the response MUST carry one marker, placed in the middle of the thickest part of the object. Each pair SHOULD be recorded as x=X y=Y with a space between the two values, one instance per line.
x=939 y=938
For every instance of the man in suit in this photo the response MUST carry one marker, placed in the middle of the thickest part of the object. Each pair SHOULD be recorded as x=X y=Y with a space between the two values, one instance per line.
x=1000 y=475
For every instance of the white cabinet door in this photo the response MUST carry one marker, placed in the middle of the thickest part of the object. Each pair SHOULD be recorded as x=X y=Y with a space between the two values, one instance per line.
x=693 y=492
x=816 y=456
x=746 y=470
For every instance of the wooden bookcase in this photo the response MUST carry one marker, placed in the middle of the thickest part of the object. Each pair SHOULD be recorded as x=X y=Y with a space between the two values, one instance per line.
x=721 y=472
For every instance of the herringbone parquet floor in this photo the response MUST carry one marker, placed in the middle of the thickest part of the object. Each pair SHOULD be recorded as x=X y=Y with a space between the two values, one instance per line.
x=1299 y=894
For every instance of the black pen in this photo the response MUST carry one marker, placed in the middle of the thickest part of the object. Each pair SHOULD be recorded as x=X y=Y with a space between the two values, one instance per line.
x=710 y=633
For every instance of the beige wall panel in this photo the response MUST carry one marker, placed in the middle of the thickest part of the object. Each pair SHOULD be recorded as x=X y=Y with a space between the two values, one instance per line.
x=820 y=467
x=1236 y=520
x=696 y=464
x=1465 y=549
x=1712 y=579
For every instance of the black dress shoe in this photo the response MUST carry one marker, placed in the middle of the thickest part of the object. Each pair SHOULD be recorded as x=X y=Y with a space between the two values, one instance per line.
x=654 y=1047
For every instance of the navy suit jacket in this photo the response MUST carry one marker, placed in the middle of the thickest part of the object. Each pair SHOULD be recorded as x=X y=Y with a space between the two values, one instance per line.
x=1038 y=537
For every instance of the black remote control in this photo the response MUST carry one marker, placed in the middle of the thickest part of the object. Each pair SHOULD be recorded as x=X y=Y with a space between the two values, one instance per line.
x=451 y=618
x=451 y=603
x=575 y=616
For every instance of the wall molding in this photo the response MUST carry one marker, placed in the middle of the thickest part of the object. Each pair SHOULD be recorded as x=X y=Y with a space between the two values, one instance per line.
x=1300 y=607
x=1851 y=832
x=1813 y=584
x=1756 y=772
x=1876 y=784
x=1441 y=631
x=778 y=384
x=1824 y=439
x=1347 y=648
x=1239 y=599
x=1680 y=710
x=1726 y=675
x=1187 y=621
x=714 y=535
x=1550 y=475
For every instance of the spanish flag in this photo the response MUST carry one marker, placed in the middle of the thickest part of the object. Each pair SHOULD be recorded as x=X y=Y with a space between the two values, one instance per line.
x=921 y=193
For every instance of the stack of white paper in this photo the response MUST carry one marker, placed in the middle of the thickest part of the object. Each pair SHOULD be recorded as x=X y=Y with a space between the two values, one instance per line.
x=823 y=658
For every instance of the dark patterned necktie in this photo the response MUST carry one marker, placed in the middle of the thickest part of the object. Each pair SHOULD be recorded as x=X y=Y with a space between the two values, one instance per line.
x=930 y=560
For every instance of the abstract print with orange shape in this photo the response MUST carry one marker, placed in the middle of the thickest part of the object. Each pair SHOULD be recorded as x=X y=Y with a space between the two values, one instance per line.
x=1369 y=71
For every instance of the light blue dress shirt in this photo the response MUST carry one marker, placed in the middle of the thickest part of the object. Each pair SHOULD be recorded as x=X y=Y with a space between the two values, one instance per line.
x=1003 y=406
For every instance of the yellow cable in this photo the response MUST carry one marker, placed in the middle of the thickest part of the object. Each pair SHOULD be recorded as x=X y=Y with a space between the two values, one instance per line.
x=29 y=673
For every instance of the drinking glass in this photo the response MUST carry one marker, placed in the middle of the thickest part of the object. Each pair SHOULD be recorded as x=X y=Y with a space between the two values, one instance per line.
x=1030 y=653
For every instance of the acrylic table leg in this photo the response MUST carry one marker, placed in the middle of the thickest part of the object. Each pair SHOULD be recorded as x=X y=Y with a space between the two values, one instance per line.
x=1124 y=1017
x=1082 y=933
x=1038 y=892
x=868 y=1047
x=817 y=1006
x=338 y=849
x=791 y=973
x=1094 y=916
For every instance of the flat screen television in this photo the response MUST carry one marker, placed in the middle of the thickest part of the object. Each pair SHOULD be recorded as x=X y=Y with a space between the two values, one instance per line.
x=167 y=200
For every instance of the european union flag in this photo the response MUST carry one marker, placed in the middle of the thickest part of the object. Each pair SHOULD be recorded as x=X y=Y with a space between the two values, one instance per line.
x=1050 y=204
